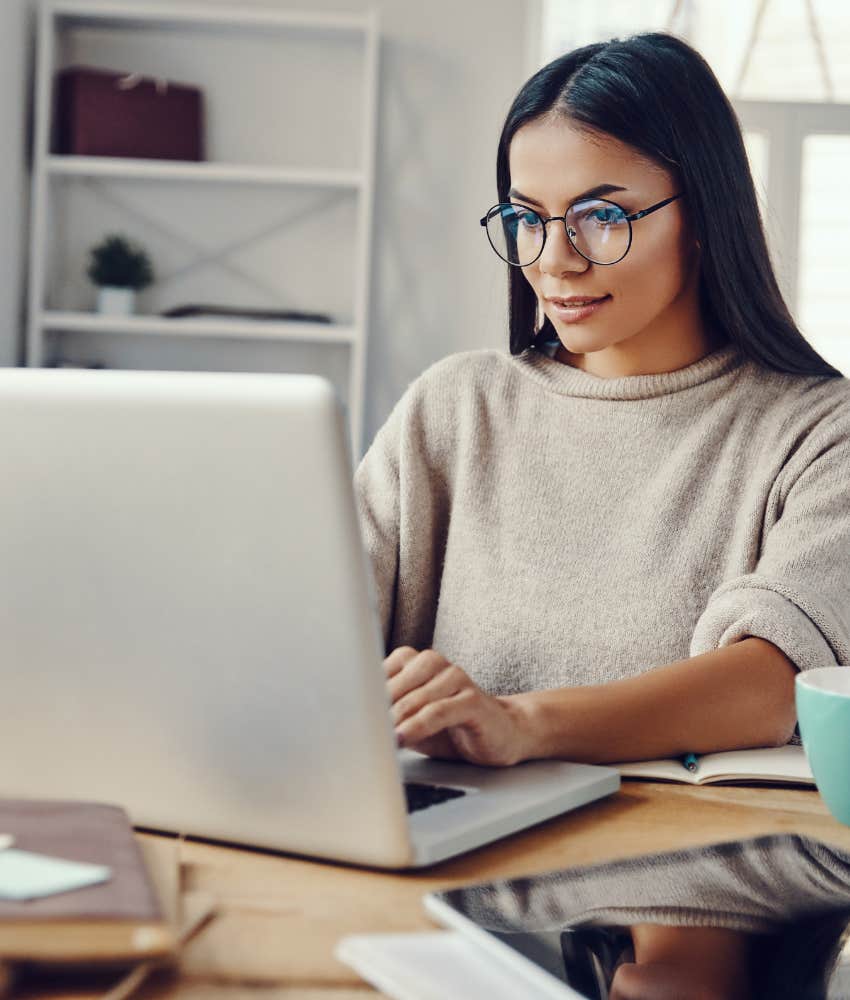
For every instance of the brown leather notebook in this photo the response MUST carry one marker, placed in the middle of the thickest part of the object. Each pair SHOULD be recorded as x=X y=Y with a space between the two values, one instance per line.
x=117 y=920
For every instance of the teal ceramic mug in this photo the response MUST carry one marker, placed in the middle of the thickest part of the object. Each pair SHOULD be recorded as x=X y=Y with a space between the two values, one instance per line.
x=823 y=713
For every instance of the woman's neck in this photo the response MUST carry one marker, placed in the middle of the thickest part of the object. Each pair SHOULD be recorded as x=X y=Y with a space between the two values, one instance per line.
x=639 y=356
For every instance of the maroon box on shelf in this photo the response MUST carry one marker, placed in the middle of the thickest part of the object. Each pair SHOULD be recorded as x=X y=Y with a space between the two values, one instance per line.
x=100 y=113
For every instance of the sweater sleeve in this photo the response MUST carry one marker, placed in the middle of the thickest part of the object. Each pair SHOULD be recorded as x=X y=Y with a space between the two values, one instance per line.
x=403 y=505
x=376 y=491
x=798 y=596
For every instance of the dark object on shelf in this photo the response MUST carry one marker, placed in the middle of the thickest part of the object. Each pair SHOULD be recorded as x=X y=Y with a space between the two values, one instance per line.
x=58 y=362
x=228 y=312
x=100 y=113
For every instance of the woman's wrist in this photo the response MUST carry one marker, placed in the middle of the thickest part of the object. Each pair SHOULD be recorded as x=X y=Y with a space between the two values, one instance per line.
x=541 y=722
x=592 y=724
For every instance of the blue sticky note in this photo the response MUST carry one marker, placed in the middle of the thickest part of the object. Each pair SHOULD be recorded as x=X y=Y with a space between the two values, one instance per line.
x=24 y=875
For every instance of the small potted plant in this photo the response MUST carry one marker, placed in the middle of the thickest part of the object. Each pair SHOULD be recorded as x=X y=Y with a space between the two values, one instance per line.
x=120 y=269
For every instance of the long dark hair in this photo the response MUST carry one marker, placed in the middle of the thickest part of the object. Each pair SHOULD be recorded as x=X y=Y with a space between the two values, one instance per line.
x=655 y=93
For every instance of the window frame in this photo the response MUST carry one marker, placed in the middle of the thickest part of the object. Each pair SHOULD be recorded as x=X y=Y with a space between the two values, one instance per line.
x=786 y=125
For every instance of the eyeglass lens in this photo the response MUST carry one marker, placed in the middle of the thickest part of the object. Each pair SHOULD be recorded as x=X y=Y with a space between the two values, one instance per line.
x=599 y=230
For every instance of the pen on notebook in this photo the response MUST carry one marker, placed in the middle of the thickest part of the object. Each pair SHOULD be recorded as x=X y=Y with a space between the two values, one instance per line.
x=689 y=761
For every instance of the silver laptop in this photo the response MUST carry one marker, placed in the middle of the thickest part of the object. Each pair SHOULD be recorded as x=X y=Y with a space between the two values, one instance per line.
x=188 y=625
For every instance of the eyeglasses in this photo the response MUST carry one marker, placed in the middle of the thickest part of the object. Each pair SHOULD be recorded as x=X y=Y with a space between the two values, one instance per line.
x=600 y=230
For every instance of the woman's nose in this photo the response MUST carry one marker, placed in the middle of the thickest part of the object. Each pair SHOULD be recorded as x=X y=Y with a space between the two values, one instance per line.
x=559 y=254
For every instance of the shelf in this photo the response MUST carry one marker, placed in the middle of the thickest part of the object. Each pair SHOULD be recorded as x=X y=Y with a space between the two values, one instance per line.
x=178 y=170
x=158 y=15
x=332 y=333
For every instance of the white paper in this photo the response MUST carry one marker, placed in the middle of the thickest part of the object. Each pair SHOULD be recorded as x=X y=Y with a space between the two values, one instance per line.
x=24 y=875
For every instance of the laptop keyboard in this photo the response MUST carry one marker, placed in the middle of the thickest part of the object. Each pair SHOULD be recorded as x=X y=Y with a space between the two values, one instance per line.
x=423 y=796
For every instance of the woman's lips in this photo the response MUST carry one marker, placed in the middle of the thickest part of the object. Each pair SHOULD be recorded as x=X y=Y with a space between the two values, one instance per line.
x=575 y=313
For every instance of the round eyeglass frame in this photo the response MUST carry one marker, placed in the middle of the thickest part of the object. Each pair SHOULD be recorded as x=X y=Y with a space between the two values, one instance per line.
x=570 y=235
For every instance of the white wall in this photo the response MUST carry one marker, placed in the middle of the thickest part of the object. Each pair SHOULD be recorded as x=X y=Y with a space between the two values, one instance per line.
x=14 y=83
x=449 y=70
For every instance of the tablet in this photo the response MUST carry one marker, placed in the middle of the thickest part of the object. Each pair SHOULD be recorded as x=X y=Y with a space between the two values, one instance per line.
x=748 y=920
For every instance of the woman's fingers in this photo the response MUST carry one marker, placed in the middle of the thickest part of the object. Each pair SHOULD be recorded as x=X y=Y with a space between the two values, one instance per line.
x=417 y=670
x=436 y=716
x=397 y=659
x=444 y=684
x=438 y=709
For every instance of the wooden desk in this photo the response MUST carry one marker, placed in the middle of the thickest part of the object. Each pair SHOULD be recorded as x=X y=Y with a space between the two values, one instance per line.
x=280 y=917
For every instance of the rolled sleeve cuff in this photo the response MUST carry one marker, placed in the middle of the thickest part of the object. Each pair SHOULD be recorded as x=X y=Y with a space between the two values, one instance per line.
x=753 y=607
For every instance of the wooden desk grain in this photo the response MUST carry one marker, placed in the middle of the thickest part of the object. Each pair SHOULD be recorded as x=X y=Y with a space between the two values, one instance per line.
x=280 y=916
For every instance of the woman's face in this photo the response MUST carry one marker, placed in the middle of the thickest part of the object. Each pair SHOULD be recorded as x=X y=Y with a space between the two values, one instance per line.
x=650 y=319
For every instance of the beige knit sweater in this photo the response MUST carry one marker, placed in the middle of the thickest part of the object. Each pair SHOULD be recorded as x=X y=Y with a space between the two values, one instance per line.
x=544 y=527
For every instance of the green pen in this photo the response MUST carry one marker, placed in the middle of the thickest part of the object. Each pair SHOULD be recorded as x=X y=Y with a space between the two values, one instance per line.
x=689 y=761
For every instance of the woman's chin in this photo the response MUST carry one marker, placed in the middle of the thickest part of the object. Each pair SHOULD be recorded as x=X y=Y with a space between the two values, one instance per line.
x=576 y=340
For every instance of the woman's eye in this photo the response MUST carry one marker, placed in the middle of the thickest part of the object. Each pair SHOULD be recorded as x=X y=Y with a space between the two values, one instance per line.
x=527 y=220
x=604 y=216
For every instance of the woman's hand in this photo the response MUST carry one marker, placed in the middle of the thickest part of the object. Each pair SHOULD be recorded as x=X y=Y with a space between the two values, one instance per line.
x=669 y=982
x=439 y=711
x=685 y=963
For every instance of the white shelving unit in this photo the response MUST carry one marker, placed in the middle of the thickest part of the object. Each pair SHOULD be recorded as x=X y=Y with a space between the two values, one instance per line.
x=69 y=32
x=329 y=333
x=166 y=170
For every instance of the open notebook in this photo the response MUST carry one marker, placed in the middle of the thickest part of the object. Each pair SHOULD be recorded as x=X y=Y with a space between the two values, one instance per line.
x=785 y=765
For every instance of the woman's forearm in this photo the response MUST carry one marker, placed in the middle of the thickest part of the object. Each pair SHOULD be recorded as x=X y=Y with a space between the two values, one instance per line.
x=731 y=698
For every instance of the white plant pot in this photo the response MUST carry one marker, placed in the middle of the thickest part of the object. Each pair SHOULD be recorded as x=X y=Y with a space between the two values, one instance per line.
x=114 y=301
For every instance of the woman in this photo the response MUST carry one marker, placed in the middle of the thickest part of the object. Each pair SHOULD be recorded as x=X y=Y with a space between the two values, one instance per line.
x=621 y=540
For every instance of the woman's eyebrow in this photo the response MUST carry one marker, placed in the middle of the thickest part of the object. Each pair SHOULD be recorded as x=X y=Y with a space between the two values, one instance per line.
x=595 y=192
